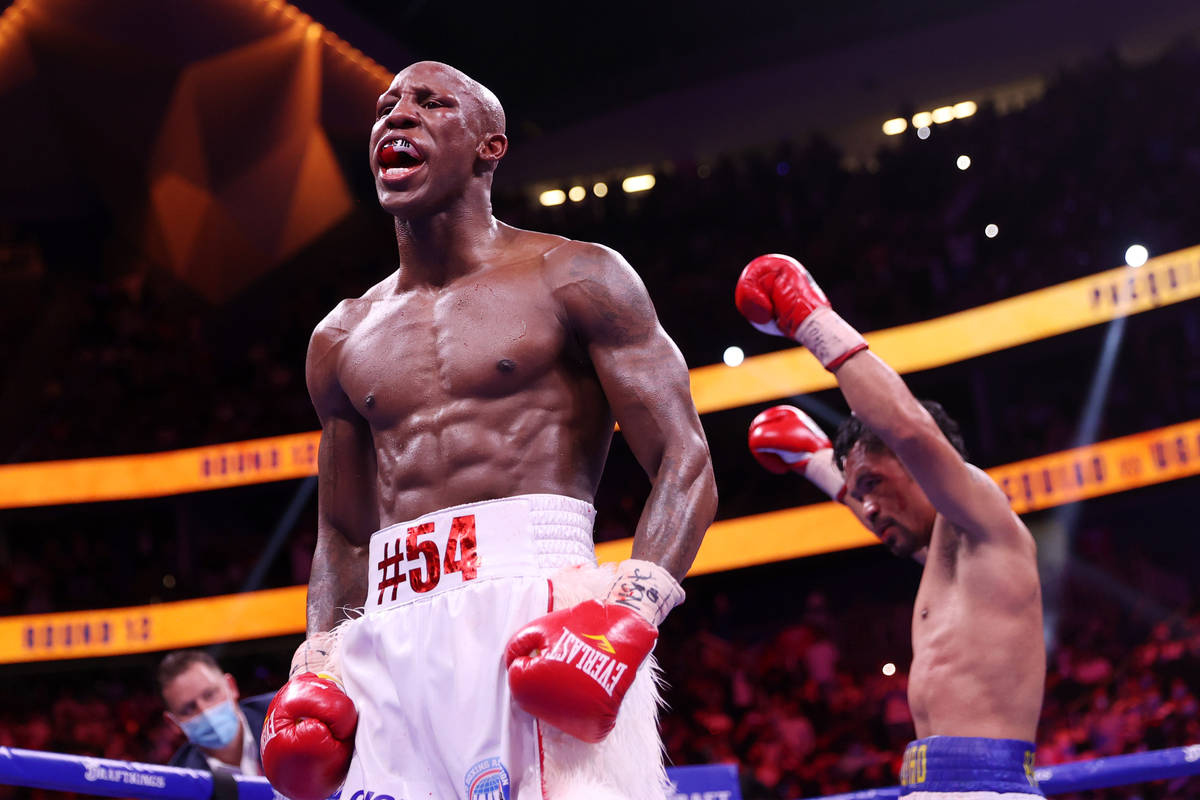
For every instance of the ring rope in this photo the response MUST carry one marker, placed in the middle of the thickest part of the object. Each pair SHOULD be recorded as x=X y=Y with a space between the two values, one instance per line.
x=114 y=778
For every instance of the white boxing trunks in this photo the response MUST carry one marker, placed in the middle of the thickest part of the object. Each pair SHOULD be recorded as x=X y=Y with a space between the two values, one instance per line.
x=424 y=663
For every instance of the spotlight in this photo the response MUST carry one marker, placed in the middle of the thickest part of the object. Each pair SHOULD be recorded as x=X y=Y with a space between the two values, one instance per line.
x=965 y=109
x=942 y=114
x=734 y=356
x=1136 y=255
x=923 y=132
x=889 y=669
x=922 y=119
x=895 y=126
x=963 y=162
x=577 y=193
x=637 y=183
x=553 y=197
x=991 y=230
x=600 y=188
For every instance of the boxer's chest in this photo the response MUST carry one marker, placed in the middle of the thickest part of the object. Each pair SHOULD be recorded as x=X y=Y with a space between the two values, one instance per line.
x=479 y=339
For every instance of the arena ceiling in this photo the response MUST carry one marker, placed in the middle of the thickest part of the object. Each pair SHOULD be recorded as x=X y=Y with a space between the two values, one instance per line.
x=557 y=63
x=219 y=138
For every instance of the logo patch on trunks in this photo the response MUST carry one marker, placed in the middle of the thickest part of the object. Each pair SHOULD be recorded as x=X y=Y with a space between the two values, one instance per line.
x=487 y=780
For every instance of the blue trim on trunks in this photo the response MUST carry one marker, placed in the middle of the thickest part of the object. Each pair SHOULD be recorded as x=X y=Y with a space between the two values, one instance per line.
x=968 y=764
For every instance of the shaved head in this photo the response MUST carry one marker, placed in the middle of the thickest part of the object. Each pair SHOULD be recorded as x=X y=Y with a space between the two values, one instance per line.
x=489 y=114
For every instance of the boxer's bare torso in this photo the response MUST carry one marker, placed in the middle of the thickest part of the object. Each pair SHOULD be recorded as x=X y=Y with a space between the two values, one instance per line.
x=979 y=660
x=473 y=390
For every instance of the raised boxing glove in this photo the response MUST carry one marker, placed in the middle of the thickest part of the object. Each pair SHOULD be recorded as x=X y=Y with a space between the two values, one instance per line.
x=784 y=438
x=778 y=296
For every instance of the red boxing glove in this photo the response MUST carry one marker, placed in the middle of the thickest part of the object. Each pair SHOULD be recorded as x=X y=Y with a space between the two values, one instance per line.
x=784 y=438
x=778 y=296
x=308 y=738
x=571 y=668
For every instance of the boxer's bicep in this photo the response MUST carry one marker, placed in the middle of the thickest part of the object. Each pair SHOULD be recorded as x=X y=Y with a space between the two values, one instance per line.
x=347 y=511
x=960 y=492
x=645 y=381
x=643 y=374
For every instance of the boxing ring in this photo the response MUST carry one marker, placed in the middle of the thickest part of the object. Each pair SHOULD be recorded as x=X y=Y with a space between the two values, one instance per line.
x=112 y=778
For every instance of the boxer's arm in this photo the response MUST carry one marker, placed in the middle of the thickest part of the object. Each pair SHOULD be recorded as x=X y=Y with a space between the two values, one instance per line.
x=646 y=383
x=962 y=493
x=347 y=511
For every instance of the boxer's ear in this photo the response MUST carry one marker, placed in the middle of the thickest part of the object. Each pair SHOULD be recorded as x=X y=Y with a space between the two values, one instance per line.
x=492 y=149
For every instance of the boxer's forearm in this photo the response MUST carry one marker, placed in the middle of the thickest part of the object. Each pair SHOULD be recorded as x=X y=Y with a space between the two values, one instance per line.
x=879 y=397
x=681 y=506
x=338 y=581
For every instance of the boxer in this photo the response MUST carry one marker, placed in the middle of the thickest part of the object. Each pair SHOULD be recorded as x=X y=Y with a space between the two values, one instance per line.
x=979 y=663
x=467 y=404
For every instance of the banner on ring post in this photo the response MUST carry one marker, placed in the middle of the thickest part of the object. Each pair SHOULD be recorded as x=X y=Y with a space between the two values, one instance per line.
x=1163 y=280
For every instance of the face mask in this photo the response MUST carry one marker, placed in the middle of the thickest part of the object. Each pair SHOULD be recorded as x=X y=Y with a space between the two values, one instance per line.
x=213 y=728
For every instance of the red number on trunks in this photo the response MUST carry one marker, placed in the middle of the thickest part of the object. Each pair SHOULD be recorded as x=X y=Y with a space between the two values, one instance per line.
x=432 y=562
x=462 y=537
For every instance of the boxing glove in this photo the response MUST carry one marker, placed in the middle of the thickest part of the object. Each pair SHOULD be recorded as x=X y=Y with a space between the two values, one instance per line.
x=572 y=668
x=308 y=737
x=784 y=438
x=778 y=296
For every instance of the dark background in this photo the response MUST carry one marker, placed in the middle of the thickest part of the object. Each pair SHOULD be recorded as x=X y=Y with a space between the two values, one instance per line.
x=761 y=122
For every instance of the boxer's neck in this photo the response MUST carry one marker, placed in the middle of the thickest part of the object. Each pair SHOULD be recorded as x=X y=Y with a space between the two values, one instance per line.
x=436 y=249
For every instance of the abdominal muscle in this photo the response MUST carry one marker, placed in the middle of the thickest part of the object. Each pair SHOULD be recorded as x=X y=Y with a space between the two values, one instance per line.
x=482 y=449
x=978 y=661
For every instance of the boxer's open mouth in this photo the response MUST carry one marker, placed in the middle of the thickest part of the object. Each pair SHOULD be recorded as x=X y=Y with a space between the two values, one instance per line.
x=400 y=154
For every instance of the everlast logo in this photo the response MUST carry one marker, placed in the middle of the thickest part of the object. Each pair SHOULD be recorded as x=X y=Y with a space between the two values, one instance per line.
x=591 y=661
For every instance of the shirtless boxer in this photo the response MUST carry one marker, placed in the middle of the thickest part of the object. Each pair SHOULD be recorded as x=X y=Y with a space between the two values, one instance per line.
x=467 y=404
x=979 y=663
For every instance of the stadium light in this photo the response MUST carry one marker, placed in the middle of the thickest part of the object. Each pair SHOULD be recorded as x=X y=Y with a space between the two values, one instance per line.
x=637 y=183
x=922 y=119
x=942 y=114
x=991 y=230
x=895 y=126
x=577 y=193
x=600 y=188
x=734 y=356
x=965 y=109
x=963 y=162
x=553 y=197
x=1136 y=255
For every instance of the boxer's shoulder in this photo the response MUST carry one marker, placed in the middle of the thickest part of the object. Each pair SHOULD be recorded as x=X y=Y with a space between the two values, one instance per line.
x=337 y=325
x=571 y=259
x=326 y=343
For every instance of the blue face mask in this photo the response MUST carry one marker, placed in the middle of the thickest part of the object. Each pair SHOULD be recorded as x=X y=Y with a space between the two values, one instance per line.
x=214 y=728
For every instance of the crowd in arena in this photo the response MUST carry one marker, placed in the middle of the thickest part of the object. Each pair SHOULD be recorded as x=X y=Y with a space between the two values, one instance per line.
x=894 y=240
